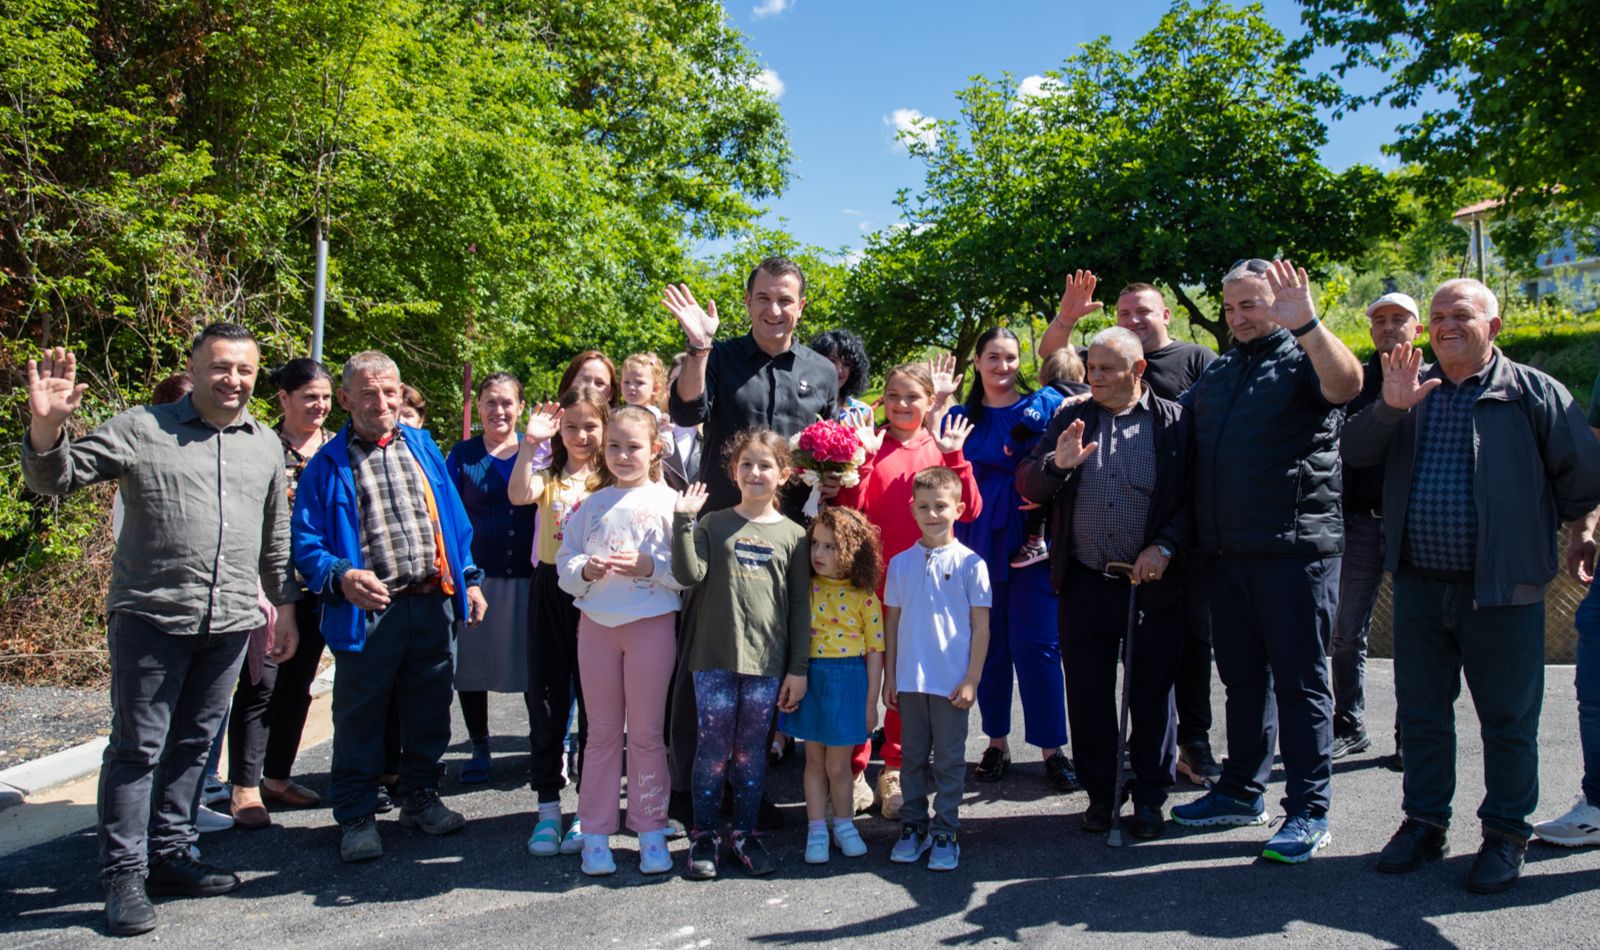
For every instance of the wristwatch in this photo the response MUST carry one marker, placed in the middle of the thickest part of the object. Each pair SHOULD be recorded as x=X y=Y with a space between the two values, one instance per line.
x=1166 y=552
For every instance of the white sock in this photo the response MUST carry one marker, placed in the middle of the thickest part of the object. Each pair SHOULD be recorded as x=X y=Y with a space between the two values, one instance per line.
x=550 y=811
x=839 y=823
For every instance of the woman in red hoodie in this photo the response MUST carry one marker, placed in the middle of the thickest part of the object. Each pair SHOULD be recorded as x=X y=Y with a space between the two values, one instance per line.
x=895 y=456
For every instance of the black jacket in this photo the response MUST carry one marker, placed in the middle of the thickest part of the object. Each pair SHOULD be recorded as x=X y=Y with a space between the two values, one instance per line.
x=1535 y=465
x=1266 y=474
x=1168 y=521
x=1363 y=484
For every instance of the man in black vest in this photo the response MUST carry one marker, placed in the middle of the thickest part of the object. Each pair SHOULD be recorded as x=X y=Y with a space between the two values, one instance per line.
x=1266 y=417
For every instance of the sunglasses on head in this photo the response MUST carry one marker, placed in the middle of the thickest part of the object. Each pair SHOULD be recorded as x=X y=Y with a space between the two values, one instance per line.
x=1254 y=265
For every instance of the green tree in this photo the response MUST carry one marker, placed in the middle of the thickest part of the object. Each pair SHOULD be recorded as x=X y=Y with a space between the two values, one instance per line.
x=1510 y=91
x=1165 y=162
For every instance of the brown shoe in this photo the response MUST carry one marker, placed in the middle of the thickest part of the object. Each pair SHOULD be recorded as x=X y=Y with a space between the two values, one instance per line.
x=292 y=794
x=251 y=817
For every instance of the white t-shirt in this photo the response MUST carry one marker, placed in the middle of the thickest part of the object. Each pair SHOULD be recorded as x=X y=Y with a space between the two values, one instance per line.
x=935 y=589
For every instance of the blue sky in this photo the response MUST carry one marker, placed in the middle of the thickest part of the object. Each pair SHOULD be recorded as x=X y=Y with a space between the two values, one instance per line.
x=844 y=69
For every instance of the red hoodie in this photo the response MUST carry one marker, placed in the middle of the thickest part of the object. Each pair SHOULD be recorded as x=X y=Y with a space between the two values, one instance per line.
x=884 y=492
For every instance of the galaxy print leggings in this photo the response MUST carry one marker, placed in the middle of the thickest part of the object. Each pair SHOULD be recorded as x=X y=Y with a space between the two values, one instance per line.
x=734 y=710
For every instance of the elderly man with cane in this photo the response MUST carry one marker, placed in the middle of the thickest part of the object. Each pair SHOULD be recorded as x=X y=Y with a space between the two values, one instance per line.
x=1114 y=471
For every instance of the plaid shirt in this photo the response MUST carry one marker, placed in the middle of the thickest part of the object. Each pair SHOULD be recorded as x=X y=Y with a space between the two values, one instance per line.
x=1441 y=517
x=397 y=540
x=1115 y=486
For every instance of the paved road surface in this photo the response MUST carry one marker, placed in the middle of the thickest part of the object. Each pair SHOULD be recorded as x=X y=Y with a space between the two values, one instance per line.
x=1028 y=875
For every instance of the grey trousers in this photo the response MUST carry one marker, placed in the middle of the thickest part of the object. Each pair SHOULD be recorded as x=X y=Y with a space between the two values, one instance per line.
x=931 y=727
x=169 y=692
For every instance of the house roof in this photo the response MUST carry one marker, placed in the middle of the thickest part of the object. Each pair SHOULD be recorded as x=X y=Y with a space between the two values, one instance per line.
x=1476 y=209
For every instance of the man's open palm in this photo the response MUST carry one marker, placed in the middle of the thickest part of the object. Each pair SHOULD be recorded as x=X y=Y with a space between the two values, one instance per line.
x=699 y=325
x=54 y=392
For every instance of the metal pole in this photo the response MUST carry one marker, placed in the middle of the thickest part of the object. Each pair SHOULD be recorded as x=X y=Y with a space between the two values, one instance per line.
x=319 y=294
x=1477 y=240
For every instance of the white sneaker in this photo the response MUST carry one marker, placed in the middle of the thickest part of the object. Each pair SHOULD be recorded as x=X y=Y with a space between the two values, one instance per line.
x=597 y=860
x=1580 y=826
x=206 y=820
x=214 y=791
x=654 y=858
x=572 y=841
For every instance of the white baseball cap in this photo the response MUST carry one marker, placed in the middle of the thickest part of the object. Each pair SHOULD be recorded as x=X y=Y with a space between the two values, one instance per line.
x=1403 y=301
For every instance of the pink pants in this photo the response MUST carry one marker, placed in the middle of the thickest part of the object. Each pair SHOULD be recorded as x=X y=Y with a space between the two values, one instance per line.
x=626 y=672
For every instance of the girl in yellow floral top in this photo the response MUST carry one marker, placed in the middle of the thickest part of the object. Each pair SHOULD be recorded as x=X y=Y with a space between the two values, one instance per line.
x=840 y=707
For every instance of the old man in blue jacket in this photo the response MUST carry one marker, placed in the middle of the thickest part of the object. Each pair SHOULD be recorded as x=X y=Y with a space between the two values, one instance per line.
x=381 y=536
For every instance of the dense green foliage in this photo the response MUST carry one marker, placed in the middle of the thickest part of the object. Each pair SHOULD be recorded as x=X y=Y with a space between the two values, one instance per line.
x=1165 y=162
x=1510 y=91
x=505 y=181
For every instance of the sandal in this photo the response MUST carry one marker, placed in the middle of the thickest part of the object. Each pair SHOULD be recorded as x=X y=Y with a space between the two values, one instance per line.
x=475 y=771
x=546 y=839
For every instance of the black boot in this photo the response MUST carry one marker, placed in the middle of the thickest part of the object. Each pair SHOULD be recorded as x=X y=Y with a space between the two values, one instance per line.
x=128 y=907
x=1499 y=863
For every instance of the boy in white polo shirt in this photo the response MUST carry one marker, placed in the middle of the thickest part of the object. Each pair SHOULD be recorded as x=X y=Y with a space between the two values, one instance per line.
x=936 y=632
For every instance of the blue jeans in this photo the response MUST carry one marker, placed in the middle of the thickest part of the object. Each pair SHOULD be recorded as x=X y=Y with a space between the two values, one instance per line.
x=1360 y=576
x=1588 y=623
x=1439 y=634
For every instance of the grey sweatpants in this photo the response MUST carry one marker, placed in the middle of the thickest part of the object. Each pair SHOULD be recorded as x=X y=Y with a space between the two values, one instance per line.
x=931 y=726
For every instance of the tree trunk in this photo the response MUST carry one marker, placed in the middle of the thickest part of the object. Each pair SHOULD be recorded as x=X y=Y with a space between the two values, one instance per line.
x=1218 y=328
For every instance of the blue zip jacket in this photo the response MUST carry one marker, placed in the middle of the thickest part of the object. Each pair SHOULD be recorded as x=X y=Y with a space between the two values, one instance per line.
x=327 y=532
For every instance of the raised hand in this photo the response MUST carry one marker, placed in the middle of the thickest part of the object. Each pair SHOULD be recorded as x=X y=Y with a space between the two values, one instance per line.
x=691 y=499
x=544 y=421
x=1401 y=388
x=54 y=394
x=866 y=429
x=1291 y=295
x=699 y=326
x=953 y=434
x=945 y=382
x=1077 y=299
x=1070 y=451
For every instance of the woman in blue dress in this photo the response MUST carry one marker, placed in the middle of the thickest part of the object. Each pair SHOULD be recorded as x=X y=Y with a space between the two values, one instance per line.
x=1007 y=417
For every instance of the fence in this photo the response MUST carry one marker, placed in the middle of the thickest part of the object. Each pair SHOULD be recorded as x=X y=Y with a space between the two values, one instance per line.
x=1561 y=599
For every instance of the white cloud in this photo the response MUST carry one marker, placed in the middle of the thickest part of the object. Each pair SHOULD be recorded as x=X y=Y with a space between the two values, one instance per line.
x=768 y=8
x=853 y=212
x=1034 y=87
x=769 y=82
x=911 y=122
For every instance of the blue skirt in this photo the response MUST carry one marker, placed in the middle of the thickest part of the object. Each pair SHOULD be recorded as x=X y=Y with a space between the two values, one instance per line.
x=833 y=711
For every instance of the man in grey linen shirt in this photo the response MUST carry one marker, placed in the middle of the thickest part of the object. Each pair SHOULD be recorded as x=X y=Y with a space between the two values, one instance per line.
x=202 y=487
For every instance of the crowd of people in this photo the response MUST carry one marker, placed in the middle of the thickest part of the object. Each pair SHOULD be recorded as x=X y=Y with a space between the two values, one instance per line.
x=637 y=559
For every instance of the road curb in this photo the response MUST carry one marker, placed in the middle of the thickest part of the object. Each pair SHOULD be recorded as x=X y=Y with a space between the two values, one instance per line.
x=70 y=765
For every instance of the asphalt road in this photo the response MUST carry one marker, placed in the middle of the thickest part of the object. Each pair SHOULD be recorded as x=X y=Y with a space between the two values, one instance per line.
x=1028 y=875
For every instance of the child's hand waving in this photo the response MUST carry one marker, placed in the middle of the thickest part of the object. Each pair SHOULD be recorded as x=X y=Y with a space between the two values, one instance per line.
x=544 y=421
x=691 y=500
x=861 y=420
x=953 y=434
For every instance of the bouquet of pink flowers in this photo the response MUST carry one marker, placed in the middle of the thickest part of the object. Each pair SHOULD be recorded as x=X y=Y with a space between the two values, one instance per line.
x=827 y=447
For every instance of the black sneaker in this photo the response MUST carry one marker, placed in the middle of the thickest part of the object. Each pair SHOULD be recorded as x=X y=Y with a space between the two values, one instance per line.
x=1498 y=864
x=992 y=766
x=385 y=802
x=703 y=857
x=1196 y=764
x=1097 y=818
x=128 y=907
x=1059 y=771
x=768 y=818
x=183 y=876
x=359 y=840
x=1147 y=823
x=423 y=809
x=755 y=857
x=1351 y=741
